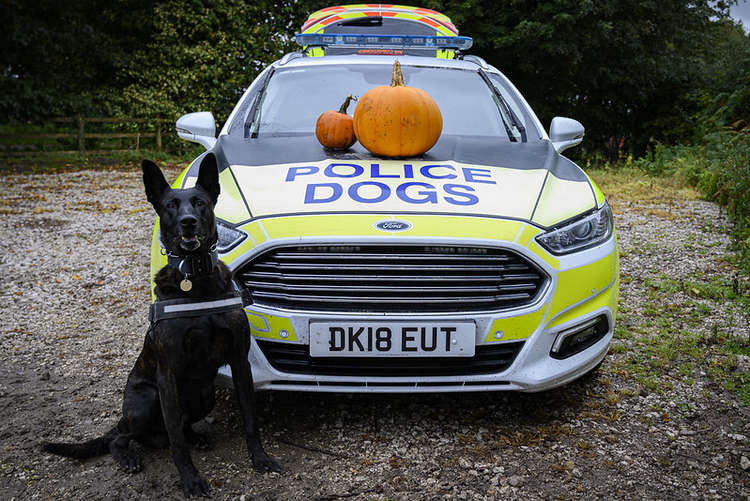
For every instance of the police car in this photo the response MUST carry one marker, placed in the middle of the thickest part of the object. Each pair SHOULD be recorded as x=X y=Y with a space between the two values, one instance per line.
x=488 y=263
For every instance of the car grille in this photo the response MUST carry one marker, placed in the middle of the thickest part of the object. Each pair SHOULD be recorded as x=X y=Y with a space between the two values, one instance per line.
x=391 y=279
x=296 y=359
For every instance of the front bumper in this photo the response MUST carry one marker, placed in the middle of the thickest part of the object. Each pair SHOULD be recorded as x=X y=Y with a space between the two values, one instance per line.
x=582 y=286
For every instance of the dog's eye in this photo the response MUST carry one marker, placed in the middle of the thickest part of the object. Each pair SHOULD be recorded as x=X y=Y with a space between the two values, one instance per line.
x=199 y=203
x=171 y=204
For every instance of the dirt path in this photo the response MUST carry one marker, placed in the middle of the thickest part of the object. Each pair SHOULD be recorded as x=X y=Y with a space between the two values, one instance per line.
x=656 y=422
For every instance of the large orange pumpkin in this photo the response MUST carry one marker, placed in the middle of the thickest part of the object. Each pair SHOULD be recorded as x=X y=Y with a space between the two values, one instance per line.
x=334 y=129
x=397 y=120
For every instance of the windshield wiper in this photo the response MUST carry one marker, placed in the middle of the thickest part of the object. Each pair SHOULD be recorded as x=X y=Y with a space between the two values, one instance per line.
x=253 y=117
x=505 y=110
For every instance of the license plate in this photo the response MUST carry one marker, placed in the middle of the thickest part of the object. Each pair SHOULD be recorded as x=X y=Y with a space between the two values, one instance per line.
x=392 y=339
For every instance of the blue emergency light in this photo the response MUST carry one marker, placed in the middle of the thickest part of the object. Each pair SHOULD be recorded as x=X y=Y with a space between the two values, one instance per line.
x=404 y=41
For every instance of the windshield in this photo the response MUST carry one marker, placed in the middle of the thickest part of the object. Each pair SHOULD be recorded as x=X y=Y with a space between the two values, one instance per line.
x=295 y=97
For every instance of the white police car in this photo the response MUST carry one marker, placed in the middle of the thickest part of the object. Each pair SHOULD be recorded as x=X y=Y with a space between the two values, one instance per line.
x=488 y=263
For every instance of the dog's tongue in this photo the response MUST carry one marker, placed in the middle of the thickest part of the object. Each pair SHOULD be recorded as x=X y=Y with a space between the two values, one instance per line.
x=190 y=243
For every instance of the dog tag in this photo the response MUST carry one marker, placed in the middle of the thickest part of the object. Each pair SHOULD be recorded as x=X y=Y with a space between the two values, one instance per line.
x=186 y=285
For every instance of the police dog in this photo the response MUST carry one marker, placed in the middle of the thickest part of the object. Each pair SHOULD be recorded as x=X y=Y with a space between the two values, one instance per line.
x=171 y=385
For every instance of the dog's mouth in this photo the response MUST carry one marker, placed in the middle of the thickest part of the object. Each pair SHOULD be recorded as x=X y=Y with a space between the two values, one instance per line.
x=189 y=243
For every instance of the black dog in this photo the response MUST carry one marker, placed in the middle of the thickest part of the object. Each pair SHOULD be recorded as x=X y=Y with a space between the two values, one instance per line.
x=172 y=384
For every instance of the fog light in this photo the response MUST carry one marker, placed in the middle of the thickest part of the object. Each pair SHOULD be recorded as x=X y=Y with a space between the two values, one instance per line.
x=578 y=338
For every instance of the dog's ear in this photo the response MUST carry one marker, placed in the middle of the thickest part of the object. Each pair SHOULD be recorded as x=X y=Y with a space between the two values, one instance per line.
x=208 y=176
x=154 y=181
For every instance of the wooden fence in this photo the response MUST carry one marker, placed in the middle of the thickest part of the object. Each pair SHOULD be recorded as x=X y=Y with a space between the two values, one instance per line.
x=81 y=135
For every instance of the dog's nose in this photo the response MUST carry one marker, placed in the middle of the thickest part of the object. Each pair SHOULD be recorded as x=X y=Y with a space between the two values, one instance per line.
x=188 y=221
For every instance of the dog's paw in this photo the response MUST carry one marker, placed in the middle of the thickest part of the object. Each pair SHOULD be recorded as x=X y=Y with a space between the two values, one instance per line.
x=129 y=461
x=194 y=485
x=264 y=464
x=199 y=441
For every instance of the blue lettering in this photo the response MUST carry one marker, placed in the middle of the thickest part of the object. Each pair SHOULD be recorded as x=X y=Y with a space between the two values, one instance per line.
x=302 y=171
x=455 y=189
x=385 y=192
x=425 y=170
x=375 y=172
x=310 y=198
x=358 y=170
x=408 y=171
x=471 y=175
x=426 y=197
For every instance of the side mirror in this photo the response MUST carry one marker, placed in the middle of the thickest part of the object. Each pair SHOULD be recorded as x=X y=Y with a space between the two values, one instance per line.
x=198 y=127
x=565 y=133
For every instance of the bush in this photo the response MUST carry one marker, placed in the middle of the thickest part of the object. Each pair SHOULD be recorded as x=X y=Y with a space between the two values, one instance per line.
x=720 y=168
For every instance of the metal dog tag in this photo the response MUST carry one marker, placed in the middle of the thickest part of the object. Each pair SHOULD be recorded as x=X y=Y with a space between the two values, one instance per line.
x=186 y=285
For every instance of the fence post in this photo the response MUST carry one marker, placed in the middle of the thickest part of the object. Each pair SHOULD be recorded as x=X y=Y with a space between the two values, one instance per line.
x=81 y=144
x=158 y=135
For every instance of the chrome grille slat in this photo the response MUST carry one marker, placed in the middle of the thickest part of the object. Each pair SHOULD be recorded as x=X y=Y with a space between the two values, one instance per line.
x=380 y=299
x=385 y=288
x=386 y=266
x=401 y=278
x=389 y=257
x=391 y=278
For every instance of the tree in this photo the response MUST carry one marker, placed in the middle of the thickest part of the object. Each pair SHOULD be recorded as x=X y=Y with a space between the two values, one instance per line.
x=203 y=54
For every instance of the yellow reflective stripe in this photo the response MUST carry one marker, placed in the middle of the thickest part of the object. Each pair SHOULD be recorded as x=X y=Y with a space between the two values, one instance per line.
x=178 y=182
x=322 y=225
x=562 y=199
x=245 y=246
x=364 y=225
x=446 y=54
x=542 y=253
x=158 y=261
x=527 y=234
x=270 y=326
x=316 y=52
x=598 y=301
x=230 y=206
x=519 y=327
x=616 y=286
x=573 y=286
x=256 y=232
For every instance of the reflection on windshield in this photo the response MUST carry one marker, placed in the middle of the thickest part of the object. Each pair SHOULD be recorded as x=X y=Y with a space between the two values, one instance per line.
x=295 y=97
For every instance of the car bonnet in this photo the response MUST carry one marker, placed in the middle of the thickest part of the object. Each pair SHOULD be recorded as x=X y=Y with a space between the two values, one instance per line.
x=281 y=176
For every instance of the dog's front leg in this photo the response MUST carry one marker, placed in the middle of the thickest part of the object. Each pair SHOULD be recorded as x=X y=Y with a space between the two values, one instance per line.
x=242 y=378
x=175 y=421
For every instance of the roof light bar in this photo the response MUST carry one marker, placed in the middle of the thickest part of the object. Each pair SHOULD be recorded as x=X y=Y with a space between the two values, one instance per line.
x=406 y=41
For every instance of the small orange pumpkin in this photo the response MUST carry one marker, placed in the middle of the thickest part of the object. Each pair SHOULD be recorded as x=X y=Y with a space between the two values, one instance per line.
x=397 y=120
x=334 y=128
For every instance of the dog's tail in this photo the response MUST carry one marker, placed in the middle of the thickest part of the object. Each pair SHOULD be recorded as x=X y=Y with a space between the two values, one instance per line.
x=83 y=450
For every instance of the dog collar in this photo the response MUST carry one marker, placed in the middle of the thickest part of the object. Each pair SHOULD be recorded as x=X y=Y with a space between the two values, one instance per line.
x=193 y=265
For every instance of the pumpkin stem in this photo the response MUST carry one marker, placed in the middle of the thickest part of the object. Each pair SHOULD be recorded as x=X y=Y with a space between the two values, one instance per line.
x=398 y=76
x=344 y=106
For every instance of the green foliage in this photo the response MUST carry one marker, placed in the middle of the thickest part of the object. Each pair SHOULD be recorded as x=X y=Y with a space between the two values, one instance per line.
x=631 y=69
x=621 y=67
x=720 y=168
x=62 y=58
x=203 y=54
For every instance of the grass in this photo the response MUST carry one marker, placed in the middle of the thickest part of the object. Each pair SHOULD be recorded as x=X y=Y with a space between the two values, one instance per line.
x=51 y=162
x=687 y=327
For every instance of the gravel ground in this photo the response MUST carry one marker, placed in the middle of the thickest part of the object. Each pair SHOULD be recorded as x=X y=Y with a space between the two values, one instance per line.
x=75 y=296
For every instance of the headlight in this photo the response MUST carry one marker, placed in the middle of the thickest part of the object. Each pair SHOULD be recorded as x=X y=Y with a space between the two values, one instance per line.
x=228 y=237
x=586 y=232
